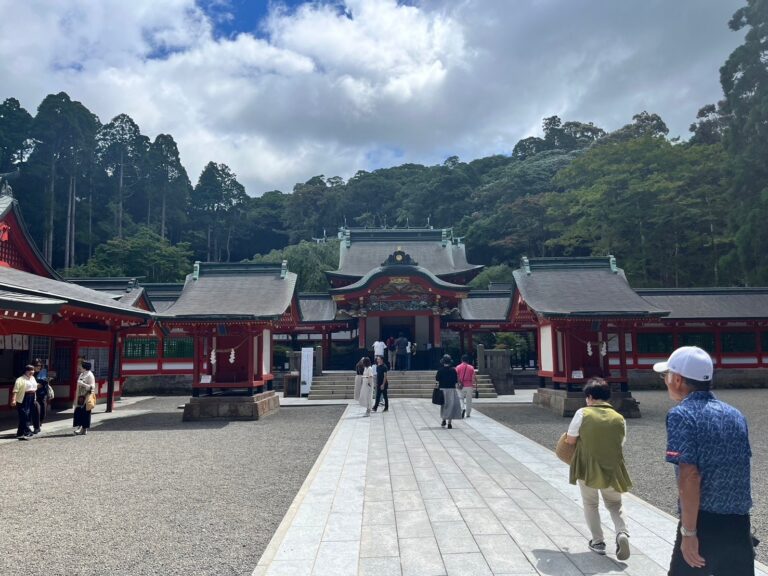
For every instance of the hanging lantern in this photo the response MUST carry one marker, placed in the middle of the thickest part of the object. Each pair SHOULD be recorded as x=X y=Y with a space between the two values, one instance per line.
x=232 y=356
x=603 y=348
x=213 y=356
x=589 y=348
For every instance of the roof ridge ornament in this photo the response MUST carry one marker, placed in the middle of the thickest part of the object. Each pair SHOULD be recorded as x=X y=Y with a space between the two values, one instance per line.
x=284 y=269
x=399 y=258
x=196 y=271
x=525 y=265
x=612 y=261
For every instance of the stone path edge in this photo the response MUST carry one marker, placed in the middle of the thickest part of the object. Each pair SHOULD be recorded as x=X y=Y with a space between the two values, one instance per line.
x=274 y=544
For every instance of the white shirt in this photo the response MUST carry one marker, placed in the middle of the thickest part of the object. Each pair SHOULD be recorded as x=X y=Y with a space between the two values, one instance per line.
x=31 y=384
x=379 y=347
x=408 y=348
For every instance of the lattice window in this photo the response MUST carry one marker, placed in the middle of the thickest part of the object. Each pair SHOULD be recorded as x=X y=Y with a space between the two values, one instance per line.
x=11 y=256
x=178 y=347
x=704 y=340
x=738 y=342
x=40 y=347
x=654 y=343
x=140 y=348
x=100 y=359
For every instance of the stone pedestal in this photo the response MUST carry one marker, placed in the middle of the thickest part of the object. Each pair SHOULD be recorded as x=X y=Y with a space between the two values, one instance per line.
x=566 y=403
x=231 y=407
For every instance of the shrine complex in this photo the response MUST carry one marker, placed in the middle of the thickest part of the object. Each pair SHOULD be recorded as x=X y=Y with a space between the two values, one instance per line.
x=218 y=331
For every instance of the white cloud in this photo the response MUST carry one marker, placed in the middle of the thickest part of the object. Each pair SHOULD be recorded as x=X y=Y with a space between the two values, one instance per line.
x=329 y=90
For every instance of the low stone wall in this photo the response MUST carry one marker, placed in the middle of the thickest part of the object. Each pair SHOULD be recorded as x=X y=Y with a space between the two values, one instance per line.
x=157 y=385
x=566 y=403
x=724 y=378
x=231 y=407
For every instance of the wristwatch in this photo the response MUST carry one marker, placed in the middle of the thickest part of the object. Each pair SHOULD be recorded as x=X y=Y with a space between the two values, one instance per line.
x=684 y=532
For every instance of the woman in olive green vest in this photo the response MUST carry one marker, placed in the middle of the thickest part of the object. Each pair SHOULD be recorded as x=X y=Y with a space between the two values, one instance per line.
x=598 y=464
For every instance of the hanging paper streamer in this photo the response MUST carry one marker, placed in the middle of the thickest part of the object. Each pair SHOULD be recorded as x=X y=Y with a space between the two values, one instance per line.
x=589 y=348
x=232 y=356
x=213 y=356
x=603 y=349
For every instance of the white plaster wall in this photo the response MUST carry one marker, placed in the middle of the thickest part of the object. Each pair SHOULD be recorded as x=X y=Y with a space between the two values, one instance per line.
x=545 y=346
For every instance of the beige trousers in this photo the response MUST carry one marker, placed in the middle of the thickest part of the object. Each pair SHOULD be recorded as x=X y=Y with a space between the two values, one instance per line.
x=612 y=501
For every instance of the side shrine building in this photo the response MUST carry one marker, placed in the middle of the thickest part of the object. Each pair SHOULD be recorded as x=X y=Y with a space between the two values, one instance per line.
x=228 y=326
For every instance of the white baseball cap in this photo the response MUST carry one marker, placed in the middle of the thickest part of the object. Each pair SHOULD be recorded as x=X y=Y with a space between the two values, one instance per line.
x=688 y=361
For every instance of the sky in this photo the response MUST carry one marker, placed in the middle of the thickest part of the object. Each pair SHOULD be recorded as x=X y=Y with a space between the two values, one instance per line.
x=281 y=91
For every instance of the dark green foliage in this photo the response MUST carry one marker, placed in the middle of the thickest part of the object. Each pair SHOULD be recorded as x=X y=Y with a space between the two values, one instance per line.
x=309 y=260
x=143 y=254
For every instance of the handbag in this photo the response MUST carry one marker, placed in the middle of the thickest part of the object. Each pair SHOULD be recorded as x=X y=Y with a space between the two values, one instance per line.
x=51 y=395
x=437 y=397
x=90 y=401
x=565 y=451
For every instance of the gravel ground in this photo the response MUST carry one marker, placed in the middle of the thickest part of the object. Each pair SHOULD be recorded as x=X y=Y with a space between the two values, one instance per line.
x=148 y=495
x=653 y=477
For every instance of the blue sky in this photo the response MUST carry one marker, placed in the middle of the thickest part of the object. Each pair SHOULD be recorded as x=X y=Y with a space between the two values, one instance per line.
x=284 y=91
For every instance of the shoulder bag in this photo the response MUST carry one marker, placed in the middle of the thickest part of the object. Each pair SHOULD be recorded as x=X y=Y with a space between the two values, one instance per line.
x=90 y=401
x=565 y=451
x=437 y=397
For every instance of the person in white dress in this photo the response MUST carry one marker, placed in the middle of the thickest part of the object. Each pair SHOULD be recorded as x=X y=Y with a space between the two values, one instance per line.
x=366 y=388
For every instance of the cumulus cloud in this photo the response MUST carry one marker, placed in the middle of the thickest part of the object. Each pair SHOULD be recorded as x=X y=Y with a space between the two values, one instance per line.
x=334 y=87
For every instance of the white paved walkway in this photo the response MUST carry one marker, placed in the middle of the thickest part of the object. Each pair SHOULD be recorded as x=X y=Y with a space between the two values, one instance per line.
x=395 y=494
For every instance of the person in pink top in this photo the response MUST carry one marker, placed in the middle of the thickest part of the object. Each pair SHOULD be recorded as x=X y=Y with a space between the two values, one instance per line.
x=466 y=374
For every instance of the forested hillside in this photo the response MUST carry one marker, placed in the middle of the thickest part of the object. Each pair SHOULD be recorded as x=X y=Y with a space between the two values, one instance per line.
x=101 y=198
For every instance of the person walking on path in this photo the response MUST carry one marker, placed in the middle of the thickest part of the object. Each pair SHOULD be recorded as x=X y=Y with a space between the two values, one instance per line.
x=598 y=431
x=359 y=369
x=708 y=442
x=447 y=381
x=86 y=385
x=23 y=398
x=382 y=384
x=379 y=349
x=401 y=351
x=466 y=373
x=365 y=394
x=41 y=395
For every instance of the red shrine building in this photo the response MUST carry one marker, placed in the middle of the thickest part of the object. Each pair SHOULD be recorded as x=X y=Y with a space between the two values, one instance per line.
x=223 y=327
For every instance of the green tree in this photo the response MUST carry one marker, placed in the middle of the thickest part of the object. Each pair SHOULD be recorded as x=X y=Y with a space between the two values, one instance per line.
x=217 y=204
x=169 y=185
x=310 y=260
x=15 y=123
x=744 y=78
x=141 y=254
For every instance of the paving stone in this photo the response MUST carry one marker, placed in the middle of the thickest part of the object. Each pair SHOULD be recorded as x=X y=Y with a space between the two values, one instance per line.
x=420 y=557
x=503 y=555
x=380 y=567
x=466 y=565
x=413 y=524
x=378 y=540
x=453 y=537
x=482 y=521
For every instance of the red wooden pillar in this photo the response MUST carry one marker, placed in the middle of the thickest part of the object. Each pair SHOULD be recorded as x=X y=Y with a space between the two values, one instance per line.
x=470 y=344
x=196 y=353
x=438 y=340
x=622 y=353
x=250 y=344
x=326 y=349
x=361 y=322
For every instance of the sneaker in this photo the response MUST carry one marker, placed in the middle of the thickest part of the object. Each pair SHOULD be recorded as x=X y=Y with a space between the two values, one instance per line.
x=463 y=412
x=36 y=431
x=442 y=423
x=84 y=432
x=622 y=546
x=450 y=426
x=385 y=410
x=25 y=437
x=598 y=548
x=77 y=430
x=374 y=409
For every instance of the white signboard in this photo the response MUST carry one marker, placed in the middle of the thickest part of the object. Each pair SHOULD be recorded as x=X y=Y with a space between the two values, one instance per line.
x=307 y=361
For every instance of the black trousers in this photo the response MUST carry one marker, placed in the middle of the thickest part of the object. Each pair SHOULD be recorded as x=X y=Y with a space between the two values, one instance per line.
x=24 y=411
x=725 y=543
x=379 y=393
x=36 y=415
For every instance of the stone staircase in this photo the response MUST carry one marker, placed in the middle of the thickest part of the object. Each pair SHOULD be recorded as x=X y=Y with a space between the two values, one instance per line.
x=411 y=384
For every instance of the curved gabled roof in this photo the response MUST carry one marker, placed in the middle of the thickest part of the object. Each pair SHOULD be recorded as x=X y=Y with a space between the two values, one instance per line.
x=709 y=303
x=234 y=291
x=580 y=287
x=435 y=250
x=18 y=281
x=399 y=271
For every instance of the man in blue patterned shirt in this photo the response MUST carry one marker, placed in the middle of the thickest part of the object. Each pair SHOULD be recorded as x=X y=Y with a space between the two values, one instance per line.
x=708 y=442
